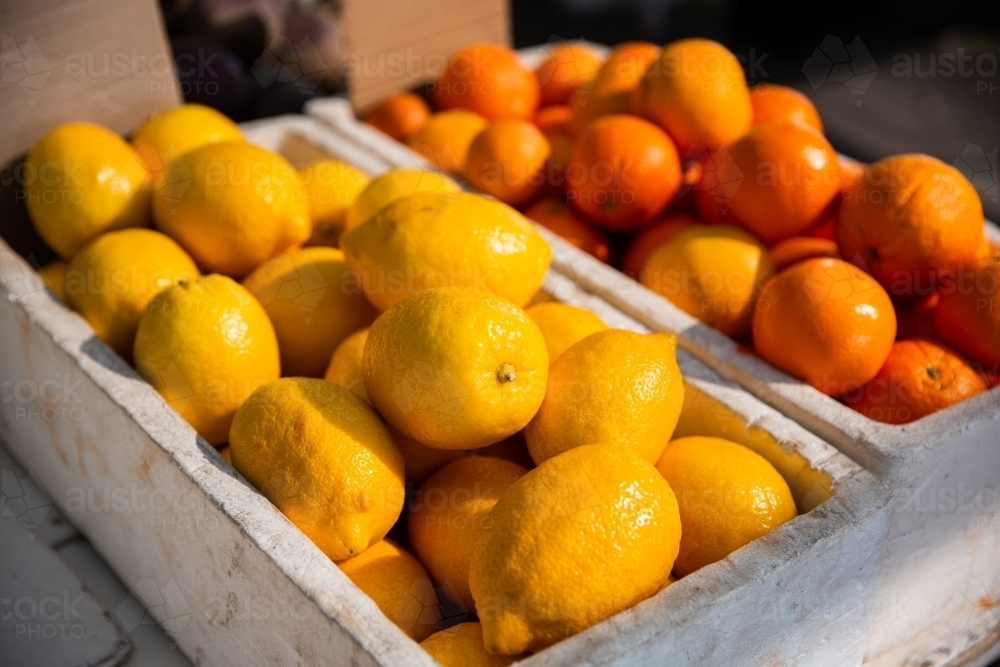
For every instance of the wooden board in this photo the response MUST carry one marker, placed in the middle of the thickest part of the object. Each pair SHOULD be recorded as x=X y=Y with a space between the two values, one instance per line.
x=105 y=61
x=393 y=46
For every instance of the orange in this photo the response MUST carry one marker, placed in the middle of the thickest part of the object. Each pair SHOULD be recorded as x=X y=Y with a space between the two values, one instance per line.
x=448 y=514
x=968 y=314
x=623 y=171
x=918 y=378
x=713 y=272
x=718 y=179
x=773 y=102
x=614 y=88
x=696 y=91
x=557 y=216
x=507 y=160
x=445 y=138
x=555 y=118
x=566 y=67
x=562 y=151
x=489 y=80
x=851 y=171
x=799 y=248
x=399 y=115
x=916 y=320
x=911 y=217
x=790 y=179
x=651 y=238
x=826 y=322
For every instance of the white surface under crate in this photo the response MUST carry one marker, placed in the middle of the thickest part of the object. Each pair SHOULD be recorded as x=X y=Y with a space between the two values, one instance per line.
x=241 y=585
x=939 y=598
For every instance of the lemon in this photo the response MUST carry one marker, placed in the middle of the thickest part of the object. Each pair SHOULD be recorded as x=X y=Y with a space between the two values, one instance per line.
x=728 y=495
x=419 y=460
x=112 y=280
x=398 y=584
x=54 y=275
x=392 y=186
x=614 y=387
x=713 y=272
x=232 y=206
x=324 y=458
x=447 y=240
x=562 y=325
x=462 y=646
x=205 y=345
x=314 y=303
x=586 y=534
x=331 y=189
x=167 y=135
x=345 y=364
x=455 y=369
x=447 y=516
x=84 y=180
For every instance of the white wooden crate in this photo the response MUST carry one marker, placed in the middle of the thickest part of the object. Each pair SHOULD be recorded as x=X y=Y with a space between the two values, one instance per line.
x=241 y=585
x=939 y=598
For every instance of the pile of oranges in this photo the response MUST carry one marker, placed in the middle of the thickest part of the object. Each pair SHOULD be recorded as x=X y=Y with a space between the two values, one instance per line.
x=873 y=283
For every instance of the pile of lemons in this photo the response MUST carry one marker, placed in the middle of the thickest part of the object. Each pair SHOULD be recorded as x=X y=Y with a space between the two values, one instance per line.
x=384 y=333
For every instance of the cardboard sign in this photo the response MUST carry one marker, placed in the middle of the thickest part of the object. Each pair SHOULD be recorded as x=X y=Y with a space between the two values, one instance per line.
x=393 y=45
x=105 y=61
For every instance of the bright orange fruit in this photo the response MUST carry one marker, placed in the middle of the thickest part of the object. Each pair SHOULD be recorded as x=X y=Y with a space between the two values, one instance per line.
x=508 y=160
x=566 y=67
x=826 y=322
x=557 y=216
x=614 y=88
x=774 y=102
x=918 y=378
x=968 y=313
x=489 y=80
x=623 y=171
x=399 y=115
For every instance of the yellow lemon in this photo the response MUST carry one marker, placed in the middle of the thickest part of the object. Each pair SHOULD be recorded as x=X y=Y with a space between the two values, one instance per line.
x=113 y=278
x=462 y=646
x=331 y=188
x=84 y=180
x=563 y=325
x=586 y=534
x=54 y=275
x=391 y=186
x=232 y=206
x=454 y=368
x=324 y=458
x=614 y=387
x=713 y=272
x=398 y=584
x=451 y=239
x=172 y=133
x=345 y=369
x=728 y=495
x=447 y=516
x=345 y=364
x=205 y=345
x=314 y=303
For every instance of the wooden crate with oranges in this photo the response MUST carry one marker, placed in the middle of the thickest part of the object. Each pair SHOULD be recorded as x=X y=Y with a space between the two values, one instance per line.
x=861 y=300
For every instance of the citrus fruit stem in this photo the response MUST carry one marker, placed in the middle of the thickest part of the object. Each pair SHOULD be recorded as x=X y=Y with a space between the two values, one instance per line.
x=505 y=373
